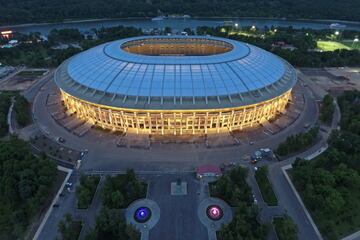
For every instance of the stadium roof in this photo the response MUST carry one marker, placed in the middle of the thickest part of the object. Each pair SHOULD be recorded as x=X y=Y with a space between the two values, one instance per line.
x=109 y=75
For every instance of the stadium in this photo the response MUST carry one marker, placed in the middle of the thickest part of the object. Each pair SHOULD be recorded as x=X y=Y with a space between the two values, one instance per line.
x=175 y=85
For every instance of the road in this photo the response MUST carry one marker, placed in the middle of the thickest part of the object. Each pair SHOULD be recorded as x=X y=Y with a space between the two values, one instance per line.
x=67 y=204
x=31 y=92
x=104 y=156
x=286 y=197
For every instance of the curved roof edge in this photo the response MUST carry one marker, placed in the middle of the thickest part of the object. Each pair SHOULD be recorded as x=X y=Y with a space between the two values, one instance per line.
x=114 y=50
x=67 y=84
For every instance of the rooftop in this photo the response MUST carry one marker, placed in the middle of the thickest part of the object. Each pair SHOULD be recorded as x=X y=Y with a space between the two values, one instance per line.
x=187 y=71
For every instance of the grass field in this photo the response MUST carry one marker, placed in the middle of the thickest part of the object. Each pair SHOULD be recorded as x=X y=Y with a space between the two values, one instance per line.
x=28 y=74
x=351 y=44
x=332 y=46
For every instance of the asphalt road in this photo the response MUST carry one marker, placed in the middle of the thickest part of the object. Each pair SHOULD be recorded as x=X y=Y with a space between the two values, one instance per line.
x=31 y=93
x=67 y=204
x=177 y=212
x=104 y=155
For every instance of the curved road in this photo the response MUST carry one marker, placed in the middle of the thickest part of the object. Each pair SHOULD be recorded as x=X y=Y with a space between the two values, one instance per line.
x=104 y=156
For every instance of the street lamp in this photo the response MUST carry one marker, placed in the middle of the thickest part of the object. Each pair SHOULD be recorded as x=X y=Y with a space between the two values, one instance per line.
x=253 y=28
x=356 y=40
x=337 y=33
x=236 y=25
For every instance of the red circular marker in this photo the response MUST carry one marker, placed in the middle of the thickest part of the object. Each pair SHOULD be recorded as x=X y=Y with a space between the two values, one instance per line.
x=214 y=212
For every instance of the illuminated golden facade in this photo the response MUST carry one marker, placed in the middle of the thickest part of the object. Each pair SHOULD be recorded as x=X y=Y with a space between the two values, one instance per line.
x=175 y=85
x=176 y=121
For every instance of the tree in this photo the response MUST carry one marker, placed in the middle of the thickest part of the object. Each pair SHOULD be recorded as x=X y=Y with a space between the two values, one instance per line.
x=110 y=225
x=285 y=228
x=25 y=185
x=327 y=109
x=22 y=110
x=68 y=228
x=243 y=226
x=121 y=190
x=86 y=190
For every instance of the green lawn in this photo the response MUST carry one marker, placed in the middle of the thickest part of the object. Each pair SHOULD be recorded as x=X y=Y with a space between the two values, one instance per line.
x=331 y=46
x=28 y=74
x=351 y=44
x=265 y=186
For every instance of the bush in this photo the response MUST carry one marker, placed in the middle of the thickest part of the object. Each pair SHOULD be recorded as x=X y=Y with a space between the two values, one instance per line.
x=299 y=142
x=244 y=225
x=111 y=225
x=69 y=229
x=121 y=190
x=327 y=109
x=5 y=102
x=22 y=110
x=267 y=192
x=85 y=192
x=233 y=187
x=285 y=228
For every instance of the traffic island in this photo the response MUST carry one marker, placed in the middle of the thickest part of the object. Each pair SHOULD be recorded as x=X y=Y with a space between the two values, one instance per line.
x=143 y=215
x=214 y=213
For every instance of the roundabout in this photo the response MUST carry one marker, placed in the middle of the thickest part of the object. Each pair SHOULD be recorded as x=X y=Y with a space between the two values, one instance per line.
x=143 y=214
x=214 y=213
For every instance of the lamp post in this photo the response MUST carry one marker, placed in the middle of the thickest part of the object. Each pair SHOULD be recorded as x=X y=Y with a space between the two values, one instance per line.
x=356 y=40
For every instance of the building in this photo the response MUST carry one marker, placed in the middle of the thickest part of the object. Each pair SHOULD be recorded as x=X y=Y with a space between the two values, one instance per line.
x=175 y=85
x=6 y=34
x=208 y=171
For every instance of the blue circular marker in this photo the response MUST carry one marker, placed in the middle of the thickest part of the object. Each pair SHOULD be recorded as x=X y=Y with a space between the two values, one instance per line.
x=142 y=214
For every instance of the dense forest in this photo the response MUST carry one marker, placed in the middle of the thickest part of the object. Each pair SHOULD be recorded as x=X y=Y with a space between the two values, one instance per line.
x=304 y=41
x=5 y=102
x=25 y=184
x=330 y=184
x=23 y=11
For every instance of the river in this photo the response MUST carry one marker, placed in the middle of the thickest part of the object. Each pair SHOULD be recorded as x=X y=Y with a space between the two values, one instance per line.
x=177 y=24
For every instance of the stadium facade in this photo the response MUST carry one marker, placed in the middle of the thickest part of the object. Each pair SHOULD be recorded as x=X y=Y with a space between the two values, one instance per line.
x=175 y=85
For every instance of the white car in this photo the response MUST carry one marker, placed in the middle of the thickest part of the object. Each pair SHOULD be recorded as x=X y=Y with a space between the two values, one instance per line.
x=68 y=184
